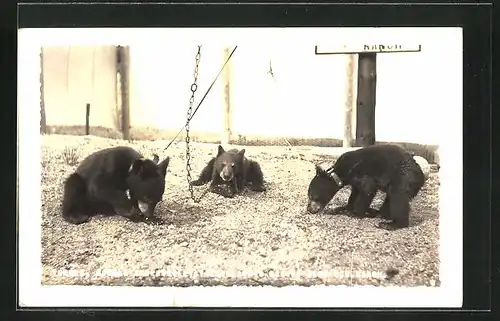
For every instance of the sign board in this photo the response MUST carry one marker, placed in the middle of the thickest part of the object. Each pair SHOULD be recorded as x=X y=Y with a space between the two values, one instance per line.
x=367 y=47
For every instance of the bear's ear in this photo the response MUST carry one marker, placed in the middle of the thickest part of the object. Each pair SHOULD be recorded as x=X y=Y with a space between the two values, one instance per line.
x=156 y=158
x=319 y=170
x=241 y=155
x=136 y=166
x=163 y=166
x=220 y=150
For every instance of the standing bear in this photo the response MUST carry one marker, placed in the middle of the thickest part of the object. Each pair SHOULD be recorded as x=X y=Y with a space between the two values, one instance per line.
x=115 y=180
x=233 y=169
x=388 y=168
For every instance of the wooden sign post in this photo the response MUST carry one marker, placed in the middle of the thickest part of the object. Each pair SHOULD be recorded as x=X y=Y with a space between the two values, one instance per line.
x=366 y=88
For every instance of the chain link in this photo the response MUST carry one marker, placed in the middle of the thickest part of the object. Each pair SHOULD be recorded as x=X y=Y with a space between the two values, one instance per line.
x=194 y=87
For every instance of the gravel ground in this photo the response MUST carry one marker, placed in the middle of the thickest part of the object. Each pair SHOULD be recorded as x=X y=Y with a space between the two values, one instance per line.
x=254 y=239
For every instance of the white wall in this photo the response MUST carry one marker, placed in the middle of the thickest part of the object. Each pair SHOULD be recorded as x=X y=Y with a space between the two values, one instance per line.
x=305 y=98
x=75 y=76
x=161 y=77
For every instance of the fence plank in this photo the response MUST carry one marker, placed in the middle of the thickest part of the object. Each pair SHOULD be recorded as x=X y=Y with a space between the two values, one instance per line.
x=349 y=105
x=123 y=62
x=226 y=87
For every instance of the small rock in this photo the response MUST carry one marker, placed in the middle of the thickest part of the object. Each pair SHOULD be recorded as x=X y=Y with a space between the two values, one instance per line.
x=184 y=244
x=311 y=259
x=391 y=272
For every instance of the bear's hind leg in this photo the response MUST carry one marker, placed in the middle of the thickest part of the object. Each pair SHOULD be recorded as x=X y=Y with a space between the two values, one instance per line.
x=416 y=182
x=75 y=202
x=255 y=177
x=398 y=212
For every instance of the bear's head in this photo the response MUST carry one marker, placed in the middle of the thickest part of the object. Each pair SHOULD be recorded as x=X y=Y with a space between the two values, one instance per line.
x=146 y=183
x=229 y=163
x=323 y=187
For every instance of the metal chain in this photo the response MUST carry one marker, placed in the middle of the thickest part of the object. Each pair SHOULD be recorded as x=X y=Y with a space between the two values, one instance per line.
x=194 y=87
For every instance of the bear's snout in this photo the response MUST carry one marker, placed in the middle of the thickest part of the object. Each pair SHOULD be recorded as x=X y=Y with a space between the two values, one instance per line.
x=146 y=209
x=314 y=207
x=226 y=175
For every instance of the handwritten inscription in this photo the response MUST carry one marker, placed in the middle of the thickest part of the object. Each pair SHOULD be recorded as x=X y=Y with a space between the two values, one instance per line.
x=367 y=47
x=196 y=275
x=382 y=47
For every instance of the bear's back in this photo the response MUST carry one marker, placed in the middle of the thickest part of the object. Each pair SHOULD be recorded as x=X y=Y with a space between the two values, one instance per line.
x=114 y=161
x=377 y=161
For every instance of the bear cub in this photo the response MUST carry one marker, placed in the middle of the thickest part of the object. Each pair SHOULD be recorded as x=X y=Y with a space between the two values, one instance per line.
x=388 y=168
x=117 y=180
x=233 y=169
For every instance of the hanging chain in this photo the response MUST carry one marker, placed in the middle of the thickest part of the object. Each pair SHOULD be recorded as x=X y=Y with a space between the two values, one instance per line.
x=194 y=87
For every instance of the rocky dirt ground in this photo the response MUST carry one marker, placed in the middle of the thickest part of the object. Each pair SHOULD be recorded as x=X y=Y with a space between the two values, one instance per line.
x=253 y=239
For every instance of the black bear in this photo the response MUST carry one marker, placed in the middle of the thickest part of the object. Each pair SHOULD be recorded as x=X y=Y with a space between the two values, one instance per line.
x=115 y=180
x=388 y=168
x=231 y=168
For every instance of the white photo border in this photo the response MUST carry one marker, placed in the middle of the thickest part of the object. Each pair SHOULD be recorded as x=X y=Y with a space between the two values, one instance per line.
x=33 y=294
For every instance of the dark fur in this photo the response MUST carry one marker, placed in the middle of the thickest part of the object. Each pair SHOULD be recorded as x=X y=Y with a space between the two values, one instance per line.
x=238 y=171
x=388 y=168
x=99 y=185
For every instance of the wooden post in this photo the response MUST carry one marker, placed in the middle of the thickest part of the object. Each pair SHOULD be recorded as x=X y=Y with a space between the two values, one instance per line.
x=87 y=120
x=123 y=63
x=226 y=88
x=43 y=120
x=367 y=87
x=350 y=93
